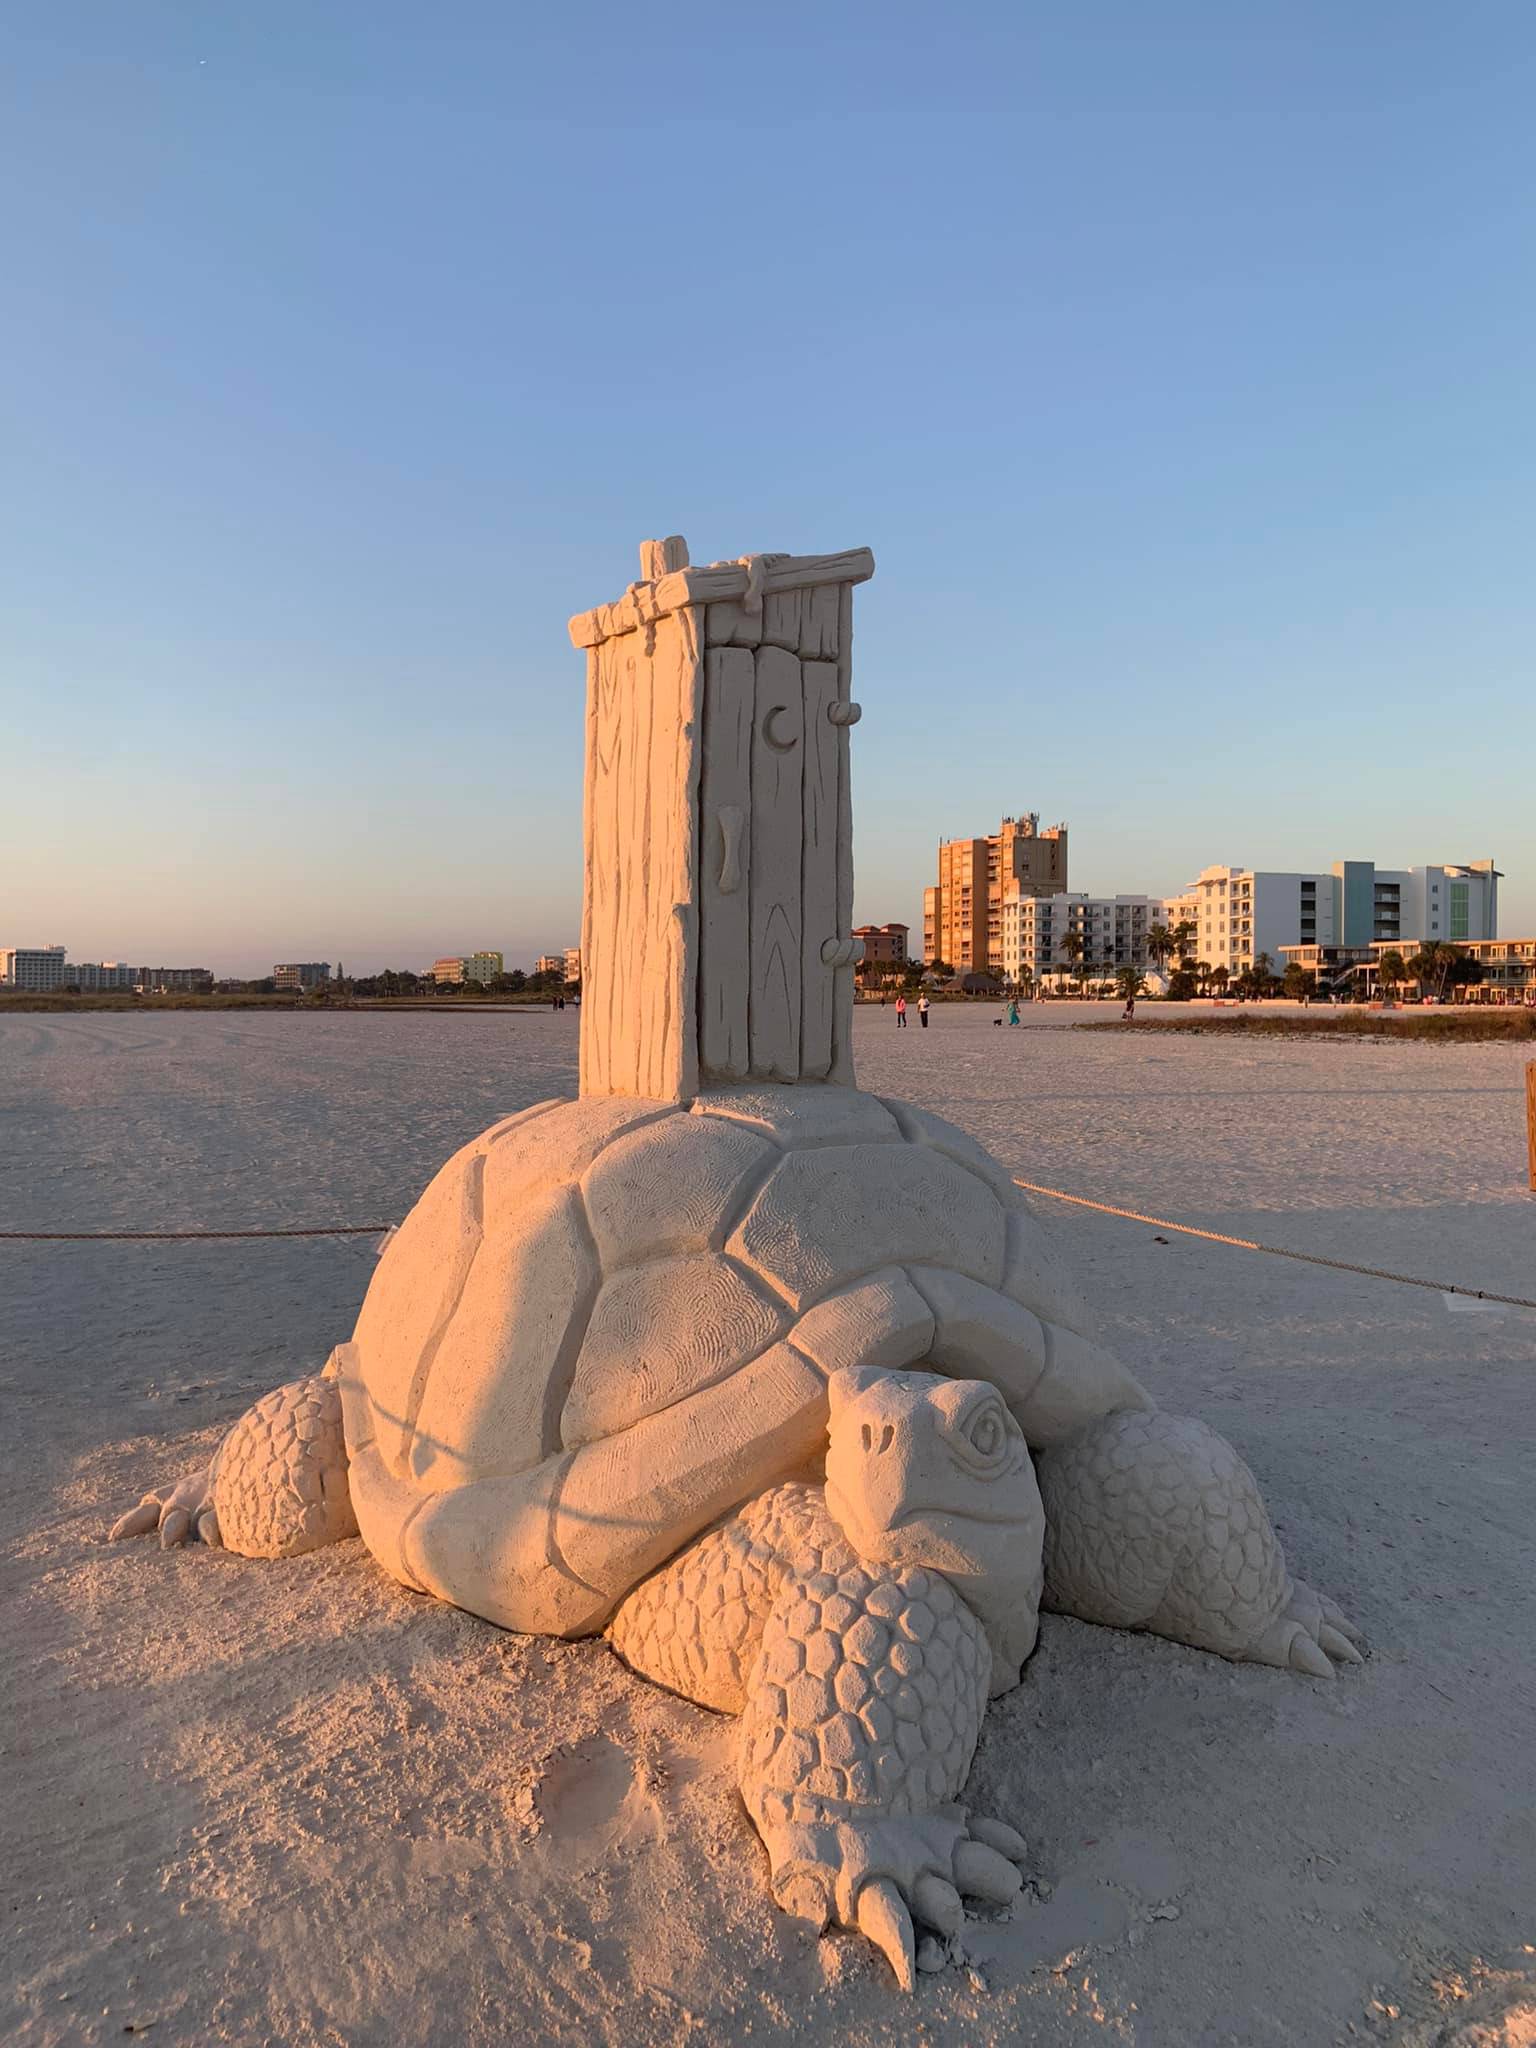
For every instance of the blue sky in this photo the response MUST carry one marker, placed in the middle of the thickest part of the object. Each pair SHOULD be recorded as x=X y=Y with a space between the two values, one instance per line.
x=1176 y=362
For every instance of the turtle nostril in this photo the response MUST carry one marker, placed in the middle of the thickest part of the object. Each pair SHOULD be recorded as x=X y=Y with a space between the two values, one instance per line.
x=868 y=1435
x=886 y=1435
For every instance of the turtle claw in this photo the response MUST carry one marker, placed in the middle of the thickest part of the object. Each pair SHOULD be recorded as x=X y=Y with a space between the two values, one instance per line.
x=983 y=1873
x=998 y=1835
x=1336 y=1618
x=179 y=1511
x=879 y=1872
x=138 y=1521
x=937 y=1904
x=883 y=1919
x=1338 y=1645
x=804 y=1897
x=1311 y=1635
x=1305 y=1655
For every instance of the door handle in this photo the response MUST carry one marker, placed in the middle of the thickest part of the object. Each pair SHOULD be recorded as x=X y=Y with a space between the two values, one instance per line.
x=730 y=848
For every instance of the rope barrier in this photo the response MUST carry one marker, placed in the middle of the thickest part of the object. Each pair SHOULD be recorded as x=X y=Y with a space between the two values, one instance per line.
x=183 y=1236
x=1243 y=1244
x=1275 y=1251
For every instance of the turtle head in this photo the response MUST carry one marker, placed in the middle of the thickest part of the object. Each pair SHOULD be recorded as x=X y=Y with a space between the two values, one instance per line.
x=934 y=1472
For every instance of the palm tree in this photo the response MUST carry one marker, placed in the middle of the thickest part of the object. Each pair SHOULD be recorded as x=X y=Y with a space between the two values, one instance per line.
x=1422 y=965
x=1129 y=981
x=1071 y=943
x=1159 y=944
x=1391 y=969
x=1217 y=977
x=1184 y=934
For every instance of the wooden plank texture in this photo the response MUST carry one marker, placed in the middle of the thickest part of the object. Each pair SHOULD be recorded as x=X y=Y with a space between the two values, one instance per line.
x=818 y=869
x=842 y=999
x=725 y=861
x=589 y=1040
x=819 y=622
x=680 y=747
x=640 y=917
x=778 y=760
x=714 y=584
x=781 y=618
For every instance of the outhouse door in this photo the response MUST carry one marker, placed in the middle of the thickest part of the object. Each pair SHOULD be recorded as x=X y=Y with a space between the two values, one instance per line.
x=773 y=841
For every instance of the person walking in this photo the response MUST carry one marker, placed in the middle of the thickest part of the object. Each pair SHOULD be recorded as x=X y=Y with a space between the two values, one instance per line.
x=1013 y=1009
x=1128 y=1014
x=901 y=1013
x=922 y=1011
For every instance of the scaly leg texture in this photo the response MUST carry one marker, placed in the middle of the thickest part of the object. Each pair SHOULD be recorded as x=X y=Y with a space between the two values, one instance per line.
x=1154 y=1522
x=276 y=1486
x=861 y=1690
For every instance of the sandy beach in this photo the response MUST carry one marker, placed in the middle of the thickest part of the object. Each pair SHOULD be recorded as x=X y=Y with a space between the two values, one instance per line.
x=292 y=1803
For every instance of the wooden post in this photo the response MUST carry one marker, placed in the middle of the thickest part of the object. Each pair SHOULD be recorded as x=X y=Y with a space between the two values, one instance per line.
x=1530 y=1119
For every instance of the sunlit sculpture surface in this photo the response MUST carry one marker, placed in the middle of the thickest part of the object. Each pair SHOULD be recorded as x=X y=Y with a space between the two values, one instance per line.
x=776 y=1382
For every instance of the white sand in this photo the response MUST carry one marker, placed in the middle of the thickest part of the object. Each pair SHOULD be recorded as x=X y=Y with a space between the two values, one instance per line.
x=292 y=1803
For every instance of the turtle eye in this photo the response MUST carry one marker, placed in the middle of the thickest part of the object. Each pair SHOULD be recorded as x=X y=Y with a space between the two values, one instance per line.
x=986 y=1433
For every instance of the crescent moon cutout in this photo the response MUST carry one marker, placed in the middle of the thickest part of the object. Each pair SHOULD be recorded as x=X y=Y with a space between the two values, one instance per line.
x=779 y=746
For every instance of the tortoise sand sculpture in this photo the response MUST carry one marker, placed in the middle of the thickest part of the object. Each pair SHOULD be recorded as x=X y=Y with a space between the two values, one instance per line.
x=775 y=1382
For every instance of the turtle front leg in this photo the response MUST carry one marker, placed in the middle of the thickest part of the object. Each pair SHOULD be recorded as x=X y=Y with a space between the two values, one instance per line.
x=276 y=1486
x=1154 y=1522
x=856 y=1740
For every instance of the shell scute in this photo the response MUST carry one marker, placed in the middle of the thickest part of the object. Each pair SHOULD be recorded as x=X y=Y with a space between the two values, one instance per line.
x=805 y=1115
x=660 y=1332
x=670 y=1187
x=828 y=1214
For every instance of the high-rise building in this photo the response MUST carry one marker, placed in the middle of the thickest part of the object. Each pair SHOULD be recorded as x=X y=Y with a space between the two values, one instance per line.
x=963 y=912
x=32 y=967
x=572 y=965
x=1240 y=913
x=302 y=974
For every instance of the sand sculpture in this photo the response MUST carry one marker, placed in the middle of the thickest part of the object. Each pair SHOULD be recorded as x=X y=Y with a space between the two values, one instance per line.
x=777 y=1383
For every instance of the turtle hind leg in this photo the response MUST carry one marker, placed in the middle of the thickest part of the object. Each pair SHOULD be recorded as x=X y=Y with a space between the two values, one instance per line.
x=1154 y=1522
x=276 y=1486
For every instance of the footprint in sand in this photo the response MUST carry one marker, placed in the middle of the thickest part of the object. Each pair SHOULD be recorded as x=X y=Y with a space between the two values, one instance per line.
x=592 y=1797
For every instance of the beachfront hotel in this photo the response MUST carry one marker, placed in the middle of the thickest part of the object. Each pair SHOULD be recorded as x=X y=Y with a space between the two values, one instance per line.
x=1239 y=913
x=44 y=970
x=32 y=967
x=454 y=969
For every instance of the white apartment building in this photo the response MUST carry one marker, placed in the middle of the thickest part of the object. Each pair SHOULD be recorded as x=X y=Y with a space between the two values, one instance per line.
x=32 y=967
x=1113 y=930
x=1239 y=913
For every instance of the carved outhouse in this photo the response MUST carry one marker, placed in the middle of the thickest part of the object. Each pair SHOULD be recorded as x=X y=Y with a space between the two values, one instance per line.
x=716 y=941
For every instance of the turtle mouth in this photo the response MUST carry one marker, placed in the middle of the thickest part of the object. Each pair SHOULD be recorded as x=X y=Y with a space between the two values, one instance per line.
x=926 y=1511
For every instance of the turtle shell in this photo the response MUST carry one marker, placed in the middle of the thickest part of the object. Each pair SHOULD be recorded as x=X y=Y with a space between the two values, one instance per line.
x=583 y=1267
